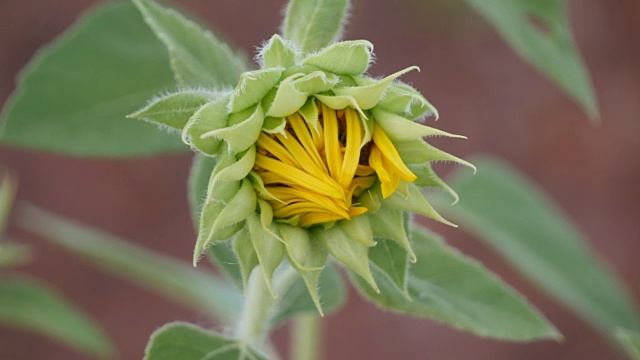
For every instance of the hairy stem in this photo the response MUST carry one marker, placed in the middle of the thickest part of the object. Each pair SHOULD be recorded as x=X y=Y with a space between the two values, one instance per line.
x=253 y=325
x=306 y=337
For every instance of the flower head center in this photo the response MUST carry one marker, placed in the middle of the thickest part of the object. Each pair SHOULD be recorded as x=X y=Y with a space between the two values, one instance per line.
x=315 y=172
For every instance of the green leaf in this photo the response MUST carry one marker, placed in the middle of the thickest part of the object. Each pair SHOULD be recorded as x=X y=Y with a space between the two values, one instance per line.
x=167 y=276
x=12 y=254
x=539 y=31
x=174 y=109
x=449 y=287
x=511 y=214
x=8 y=188
x=630 y=341
x=74 y=95
x=392 y=261
x=296 y=301
x=314 y=24
x=186 y=341
x=30 y=305
x=198 y=58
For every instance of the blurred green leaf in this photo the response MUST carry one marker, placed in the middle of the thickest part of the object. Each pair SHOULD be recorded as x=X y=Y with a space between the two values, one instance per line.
x=511 y=214
x=314 y=24
x=630 y=340
x=172 y=278
x=8 y=188
x=540 y=32
x=185 y=341
x=446 y=286
x=198 y=58
x=297 y=300
x=74 y=95
x=13 y=254
x=30 y=305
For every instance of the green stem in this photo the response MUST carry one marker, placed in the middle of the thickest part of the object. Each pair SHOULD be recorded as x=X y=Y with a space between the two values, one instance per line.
x=254 y=317
x=306 y=337
x=252 y=328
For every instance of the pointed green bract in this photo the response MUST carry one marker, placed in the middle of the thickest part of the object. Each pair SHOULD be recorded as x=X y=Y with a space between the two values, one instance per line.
x=403 y=100
x=509 y=212
x=174 y=110
x=388 y=223
x=198 y=58
x=270 y=250
x=111 y=52
x=30 y=305
x=240 y=136
x=288 y=99
x=246 y=255
x=371 y=92
x=540 y=32
x=451 y=288
x=352 y=254
x=316 y=82
x=347 y=57
x=358 y=229
x=308 y=258
x=211 y=116
x=241 y=205
x=190 y=342
x=314 y=24
x=253 y=86
x=218 y=195
x=428 y=178
x=238 y=170
x=276 y=53
x=416 y=203
x=400 y=129
x=297 y=300
x=309 y=112
x=421 y=152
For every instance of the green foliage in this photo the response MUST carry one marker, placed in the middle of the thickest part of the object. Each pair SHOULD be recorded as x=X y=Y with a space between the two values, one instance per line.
x=314 y=24
x=511 y=214
x=630 y=340
x=74 y=95
x=13 y=254
x=188 y=342
x=449 y=287
x=170 y=277
x=197 y=57
x=30 y=305
x=539 y=31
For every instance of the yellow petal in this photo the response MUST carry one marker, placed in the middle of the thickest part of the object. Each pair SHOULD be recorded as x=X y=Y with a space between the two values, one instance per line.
x=352 y=150
x=299 y=177
x=332 y=143
x=277 y=150
x=390 y=153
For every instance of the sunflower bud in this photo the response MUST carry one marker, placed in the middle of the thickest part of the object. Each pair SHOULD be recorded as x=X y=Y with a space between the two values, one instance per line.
x=315 y=159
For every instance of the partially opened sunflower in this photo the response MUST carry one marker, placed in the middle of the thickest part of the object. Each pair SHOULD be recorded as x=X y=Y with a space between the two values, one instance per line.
x=314 y=158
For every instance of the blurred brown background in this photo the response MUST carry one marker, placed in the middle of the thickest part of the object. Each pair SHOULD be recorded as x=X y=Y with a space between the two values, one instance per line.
x=482 y=89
